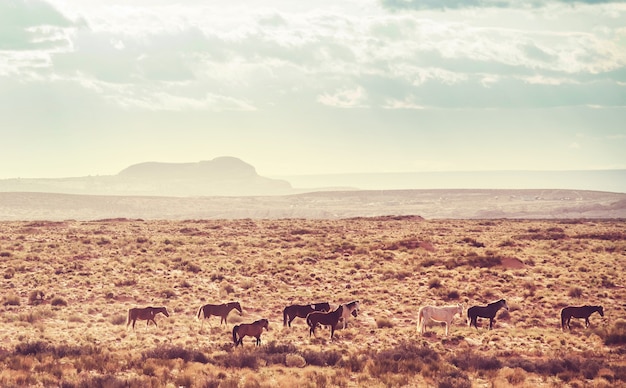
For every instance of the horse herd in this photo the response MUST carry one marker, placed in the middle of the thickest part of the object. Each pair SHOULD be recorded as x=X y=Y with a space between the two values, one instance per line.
x=317 y=314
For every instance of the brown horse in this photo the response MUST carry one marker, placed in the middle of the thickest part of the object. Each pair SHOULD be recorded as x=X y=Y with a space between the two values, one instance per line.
x=298 y=310
x=220 y=310
x=327 y=319
x=569 y=312
x=254 y=329
x=145 y=314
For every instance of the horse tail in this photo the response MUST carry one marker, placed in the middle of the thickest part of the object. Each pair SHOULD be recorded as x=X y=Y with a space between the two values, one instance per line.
x=469 y=317
x=235 y=331
x=563 y=319
x=199 y=311
x=128 y=322
x=285 y=317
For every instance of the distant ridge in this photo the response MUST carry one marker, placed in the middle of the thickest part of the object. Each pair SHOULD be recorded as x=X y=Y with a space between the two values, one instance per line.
x=451 y=204
x=223 y=176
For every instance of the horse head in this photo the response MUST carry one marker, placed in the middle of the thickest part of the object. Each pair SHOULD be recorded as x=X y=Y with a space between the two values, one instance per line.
x=164 y=311
x=460 y=309
x=600 y=311
x=323 y=307
x=503 y=303
x=237 y=307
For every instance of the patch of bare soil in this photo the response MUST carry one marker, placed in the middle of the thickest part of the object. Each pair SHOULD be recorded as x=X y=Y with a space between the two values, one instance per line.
x=512 y=263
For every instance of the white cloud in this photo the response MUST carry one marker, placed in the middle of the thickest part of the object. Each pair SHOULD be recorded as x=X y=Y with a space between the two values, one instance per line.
x=345 y=98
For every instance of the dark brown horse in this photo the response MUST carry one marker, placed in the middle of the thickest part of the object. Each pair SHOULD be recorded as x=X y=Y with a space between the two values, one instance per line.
x=145 y=314
x=298 y=310
x=324 y=318
x=220 y=310
x=254 y=329
x=569 y=312
x=488 y=311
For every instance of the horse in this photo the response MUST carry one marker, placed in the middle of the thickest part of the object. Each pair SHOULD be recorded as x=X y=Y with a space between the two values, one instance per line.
x=351 y=308
x=254 y=329
x=296 y=310
x=438 y=314
x=221 y=310
x=146 y=314
x=324 y=318
x=569 y=312
x=488 y=311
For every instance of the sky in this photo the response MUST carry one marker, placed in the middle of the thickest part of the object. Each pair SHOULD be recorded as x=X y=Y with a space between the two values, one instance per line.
x=90 y=87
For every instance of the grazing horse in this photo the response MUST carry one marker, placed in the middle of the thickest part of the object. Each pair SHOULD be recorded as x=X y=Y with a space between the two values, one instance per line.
x=351 y=308
x=297 y=310
x=324 y=318
x=438 y=314
x=221 y=310
x=569 y=312
x=145 y=314
x=254 y=329
x=488 y=311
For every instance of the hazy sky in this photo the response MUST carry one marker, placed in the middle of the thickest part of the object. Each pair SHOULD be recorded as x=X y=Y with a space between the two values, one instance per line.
x=89 y=87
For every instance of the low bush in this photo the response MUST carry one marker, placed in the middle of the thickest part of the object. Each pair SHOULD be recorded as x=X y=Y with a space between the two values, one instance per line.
x=471 y=361
x=168 y=352
x=616 y=334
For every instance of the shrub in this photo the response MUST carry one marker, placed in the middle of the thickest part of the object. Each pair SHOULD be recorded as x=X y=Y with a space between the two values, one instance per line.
x=405 y=358
x=294 y=360
x=35 y=297
x=454 y=379
x=484 y=261
x=324 y=358
x=58 y=301
x=169 y=352
x=617 y=334
x=31 y=348
x=382 y=323
x=575 y=292
x=434 y=283
x=471 y=361
x=11 y=300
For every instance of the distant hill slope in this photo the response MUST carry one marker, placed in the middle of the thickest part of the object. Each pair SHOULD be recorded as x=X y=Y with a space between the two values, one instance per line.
x=220 y=176
x=452 y=204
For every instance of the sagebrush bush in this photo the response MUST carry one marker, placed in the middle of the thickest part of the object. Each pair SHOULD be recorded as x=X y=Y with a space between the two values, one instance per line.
x=169 y=352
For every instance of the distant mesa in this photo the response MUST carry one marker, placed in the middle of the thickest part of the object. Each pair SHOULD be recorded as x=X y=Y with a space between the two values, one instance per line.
x=223 y=176
x=222 y=168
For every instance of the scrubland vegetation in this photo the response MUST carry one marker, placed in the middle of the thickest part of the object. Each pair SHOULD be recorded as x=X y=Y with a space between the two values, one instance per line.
x=67 y=287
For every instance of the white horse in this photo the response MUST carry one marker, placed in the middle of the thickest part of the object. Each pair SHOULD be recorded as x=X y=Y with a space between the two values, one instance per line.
x=351 y=308
x=439 y=314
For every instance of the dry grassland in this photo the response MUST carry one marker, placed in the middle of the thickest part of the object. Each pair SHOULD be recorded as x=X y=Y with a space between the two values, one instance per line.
x=67 y=287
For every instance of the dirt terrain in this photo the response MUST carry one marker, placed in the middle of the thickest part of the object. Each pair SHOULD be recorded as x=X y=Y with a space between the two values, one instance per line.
x=68 y=286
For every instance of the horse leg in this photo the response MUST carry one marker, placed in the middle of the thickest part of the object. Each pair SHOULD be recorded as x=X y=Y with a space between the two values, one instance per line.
x=332 y=331
x=587 y=322
x=447 y=328
x=490 y=323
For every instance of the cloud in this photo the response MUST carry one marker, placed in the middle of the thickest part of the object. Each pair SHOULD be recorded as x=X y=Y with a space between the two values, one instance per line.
x=31 y=24
x=462 y=4
x=255 y=59
x=346 y=98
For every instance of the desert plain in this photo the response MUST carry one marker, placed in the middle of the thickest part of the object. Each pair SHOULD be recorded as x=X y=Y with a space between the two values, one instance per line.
x=68 y=286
